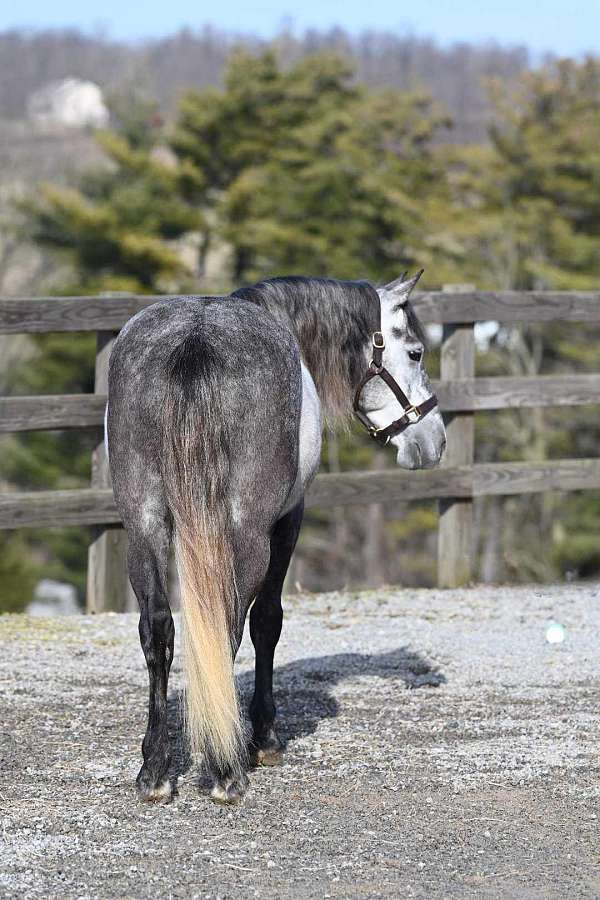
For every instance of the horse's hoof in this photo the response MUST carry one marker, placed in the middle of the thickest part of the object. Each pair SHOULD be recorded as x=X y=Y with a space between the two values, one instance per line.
x=230 y=791
x=159 y=793
x=266 y=752
x=267 y=756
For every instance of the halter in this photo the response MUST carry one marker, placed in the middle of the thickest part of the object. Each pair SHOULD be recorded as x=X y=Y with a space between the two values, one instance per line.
x=412 y=413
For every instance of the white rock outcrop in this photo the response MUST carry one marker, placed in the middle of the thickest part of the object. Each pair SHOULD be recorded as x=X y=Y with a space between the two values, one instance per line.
x=71 y=103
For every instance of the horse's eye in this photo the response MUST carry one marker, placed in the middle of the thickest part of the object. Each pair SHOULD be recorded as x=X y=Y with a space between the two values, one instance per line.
x=415 y=355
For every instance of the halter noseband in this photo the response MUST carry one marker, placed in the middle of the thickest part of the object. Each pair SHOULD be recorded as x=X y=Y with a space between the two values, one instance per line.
x=412 y=413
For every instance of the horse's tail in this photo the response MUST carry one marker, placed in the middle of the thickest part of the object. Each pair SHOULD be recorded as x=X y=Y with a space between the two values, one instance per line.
x=195 y=471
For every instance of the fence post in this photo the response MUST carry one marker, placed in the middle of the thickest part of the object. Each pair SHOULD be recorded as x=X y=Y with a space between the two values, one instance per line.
x=455 y=533
x=107 y=580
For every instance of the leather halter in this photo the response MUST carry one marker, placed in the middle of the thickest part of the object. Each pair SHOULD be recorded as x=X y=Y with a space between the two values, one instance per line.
x=412 y=414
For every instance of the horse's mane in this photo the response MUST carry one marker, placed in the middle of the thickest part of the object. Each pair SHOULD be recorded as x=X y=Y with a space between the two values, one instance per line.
x=333 y=322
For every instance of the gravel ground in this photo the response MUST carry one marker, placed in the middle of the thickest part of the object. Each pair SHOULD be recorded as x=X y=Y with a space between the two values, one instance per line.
x=437 y=746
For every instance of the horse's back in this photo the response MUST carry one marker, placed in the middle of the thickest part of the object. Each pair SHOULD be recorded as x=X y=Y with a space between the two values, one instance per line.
x=243 y=335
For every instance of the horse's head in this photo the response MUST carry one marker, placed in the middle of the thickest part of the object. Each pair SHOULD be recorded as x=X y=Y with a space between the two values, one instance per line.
x=422 y=443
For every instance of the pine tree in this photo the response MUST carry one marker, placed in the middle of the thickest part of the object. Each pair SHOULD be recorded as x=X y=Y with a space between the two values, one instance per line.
x=118 y=229
x=526 y=216
x=309 y=172
x=119 y=226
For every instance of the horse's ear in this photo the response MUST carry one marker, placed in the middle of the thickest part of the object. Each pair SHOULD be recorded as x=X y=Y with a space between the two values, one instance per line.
x=393 y=285
x=401 y=289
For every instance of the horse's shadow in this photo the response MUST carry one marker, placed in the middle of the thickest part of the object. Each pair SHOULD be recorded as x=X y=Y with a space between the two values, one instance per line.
x=303 y=691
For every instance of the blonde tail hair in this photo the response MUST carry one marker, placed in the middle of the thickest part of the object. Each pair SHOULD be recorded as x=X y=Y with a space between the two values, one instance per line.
x=195 y=472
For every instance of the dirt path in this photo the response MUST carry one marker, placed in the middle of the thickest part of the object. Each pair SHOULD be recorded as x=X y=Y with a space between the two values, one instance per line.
x=438 y=747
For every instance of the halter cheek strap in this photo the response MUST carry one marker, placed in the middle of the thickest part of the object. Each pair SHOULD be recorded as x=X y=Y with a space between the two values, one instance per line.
x=411 y=415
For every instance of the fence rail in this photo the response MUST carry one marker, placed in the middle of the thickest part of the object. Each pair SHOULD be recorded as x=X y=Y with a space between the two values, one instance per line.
x=460 y=393
x=96 y=506
x=43 y=314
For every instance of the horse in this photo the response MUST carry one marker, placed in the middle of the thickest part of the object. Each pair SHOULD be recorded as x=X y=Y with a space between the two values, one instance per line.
x=213 y=426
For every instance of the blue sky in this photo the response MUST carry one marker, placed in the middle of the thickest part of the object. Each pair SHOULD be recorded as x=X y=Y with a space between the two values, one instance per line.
x=569 y=27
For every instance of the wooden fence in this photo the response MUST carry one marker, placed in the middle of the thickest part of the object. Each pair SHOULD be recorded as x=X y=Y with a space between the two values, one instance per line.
x=460 y=393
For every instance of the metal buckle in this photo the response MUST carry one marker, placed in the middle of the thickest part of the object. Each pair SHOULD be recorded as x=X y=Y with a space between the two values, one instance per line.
x=412 y=410
x=379 y=345
x=374 y=432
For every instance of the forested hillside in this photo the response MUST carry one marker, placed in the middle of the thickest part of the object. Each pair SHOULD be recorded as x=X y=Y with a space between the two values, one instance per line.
x=453 y=75
x=162 y=70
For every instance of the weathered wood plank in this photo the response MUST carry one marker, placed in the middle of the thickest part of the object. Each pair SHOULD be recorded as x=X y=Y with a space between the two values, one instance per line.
x=508 y=392
x=508 y=306
x=455 y=530
x=51 y=412
x=107 y=578
x=533 y=478
x=42 y=314
x=459 y=395
x=89 y=506
x=350 y=488
x=108 y=588
x=503 y=392
x=57 y=508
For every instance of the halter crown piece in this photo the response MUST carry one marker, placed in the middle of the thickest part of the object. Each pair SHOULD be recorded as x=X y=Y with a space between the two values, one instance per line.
x=412 y=414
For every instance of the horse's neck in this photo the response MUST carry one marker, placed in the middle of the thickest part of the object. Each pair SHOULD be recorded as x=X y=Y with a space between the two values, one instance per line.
x=309 y=440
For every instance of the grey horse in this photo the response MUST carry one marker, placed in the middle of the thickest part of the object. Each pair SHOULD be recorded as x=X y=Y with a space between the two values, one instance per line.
x=213 y=429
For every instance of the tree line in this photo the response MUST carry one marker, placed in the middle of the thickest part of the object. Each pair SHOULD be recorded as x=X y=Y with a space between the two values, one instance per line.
x=167 y=66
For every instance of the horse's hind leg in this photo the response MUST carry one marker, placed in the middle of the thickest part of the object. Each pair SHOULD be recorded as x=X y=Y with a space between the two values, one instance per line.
x=251 y=561
x=266 y=617
x=148 y=562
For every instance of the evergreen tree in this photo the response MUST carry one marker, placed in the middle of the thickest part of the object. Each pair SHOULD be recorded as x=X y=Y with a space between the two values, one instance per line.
x=526 y=216
x=526 y=207
x=117 y=229
x=119 y=226
x=309 y=172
